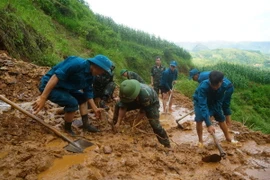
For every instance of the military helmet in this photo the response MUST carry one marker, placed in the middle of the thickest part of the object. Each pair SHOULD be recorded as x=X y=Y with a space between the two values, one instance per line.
x=123 y=71
x=129 y=90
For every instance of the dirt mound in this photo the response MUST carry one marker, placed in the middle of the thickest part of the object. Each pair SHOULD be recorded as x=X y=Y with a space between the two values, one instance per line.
x=30 y=151
x=19 y=80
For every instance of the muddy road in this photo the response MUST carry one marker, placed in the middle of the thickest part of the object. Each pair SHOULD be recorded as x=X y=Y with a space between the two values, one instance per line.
x=30 y=151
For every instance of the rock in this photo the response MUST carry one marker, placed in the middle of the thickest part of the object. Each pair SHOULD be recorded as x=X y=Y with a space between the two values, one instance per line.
x=11 y=80
x=97 y=150
x=238 y=175
x=107 y=150
x=3 y=86
x=4 y=68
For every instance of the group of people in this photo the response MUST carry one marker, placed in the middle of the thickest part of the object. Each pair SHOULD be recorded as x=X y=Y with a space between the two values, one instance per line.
x=162 y=80
x=80 y=84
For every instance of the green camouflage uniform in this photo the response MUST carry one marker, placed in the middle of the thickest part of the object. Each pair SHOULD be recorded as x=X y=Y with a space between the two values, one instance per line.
x=147 y=102
x=103 y=86
x=133 y=75
x=156 y=73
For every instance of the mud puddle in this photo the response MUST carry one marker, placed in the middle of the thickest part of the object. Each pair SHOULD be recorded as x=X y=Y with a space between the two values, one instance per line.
x=63 y=164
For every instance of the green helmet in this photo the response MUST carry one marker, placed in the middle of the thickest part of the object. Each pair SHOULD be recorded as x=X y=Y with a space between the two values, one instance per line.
x=123 y=71
x=129 y=90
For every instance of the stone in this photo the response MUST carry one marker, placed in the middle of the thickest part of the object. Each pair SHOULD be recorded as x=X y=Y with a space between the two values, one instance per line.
x=107 y=150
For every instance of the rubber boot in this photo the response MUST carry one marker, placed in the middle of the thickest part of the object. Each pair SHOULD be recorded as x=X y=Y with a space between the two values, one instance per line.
x=68 y=128
x=87 y=126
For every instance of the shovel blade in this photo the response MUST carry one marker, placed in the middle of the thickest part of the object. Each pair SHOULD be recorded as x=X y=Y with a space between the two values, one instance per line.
x=212 y=158
x=80 y=146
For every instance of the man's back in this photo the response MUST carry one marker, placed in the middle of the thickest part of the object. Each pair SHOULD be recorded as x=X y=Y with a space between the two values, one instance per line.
x=133 y=75
x=203 y=76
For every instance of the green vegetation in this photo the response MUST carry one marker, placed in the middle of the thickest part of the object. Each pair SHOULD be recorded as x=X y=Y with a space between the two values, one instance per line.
x=236 y=56
x=46 y=31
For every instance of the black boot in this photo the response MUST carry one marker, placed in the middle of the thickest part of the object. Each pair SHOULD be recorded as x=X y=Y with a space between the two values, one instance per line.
x=87 y=126
x=68 y=128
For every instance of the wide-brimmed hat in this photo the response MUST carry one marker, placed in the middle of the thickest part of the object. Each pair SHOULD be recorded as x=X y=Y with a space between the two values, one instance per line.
x=103 y=62
x=192 y=73
x=173 y=63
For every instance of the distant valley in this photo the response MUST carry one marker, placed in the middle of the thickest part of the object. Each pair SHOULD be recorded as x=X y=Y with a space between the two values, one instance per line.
x=263 y=47
x=255 y=54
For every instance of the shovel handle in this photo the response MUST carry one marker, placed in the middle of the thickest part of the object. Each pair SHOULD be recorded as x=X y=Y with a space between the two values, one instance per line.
x=37 y=119
x=221 y=151
x=177 y=120
x=169 y=100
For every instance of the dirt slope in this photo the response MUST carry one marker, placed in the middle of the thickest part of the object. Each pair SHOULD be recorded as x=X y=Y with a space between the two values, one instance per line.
x=30 y=151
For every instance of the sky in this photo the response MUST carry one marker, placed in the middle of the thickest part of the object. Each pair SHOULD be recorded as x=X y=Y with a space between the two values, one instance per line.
x=191 y=20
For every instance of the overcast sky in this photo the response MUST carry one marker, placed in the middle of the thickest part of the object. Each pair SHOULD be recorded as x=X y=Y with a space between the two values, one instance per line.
x=191 y=20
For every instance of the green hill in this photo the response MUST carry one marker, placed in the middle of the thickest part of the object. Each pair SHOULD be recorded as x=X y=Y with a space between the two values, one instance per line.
x=252 y=58
x=46 y=31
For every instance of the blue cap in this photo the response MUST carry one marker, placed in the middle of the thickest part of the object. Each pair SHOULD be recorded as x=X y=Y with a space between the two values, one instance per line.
x=192 y=73
x=173 y=63
x=102 y=61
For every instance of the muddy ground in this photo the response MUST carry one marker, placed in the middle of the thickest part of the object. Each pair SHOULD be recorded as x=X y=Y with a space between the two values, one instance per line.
x=30 y=151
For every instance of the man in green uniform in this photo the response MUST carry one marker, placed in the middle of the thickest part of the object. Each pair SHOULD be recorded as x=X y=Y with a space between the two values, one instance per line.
x=131 y=75
x=103 y=88
x=134 y=95
x=156 y=73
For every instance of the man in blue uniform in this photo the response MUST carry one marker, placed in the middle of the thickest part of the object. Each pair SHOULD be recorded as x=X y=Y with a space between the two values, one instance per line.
x=208 y=99
x=198 y=76
x=135 y=95
x=168 y=79
x=69 y=84
x=201 y=76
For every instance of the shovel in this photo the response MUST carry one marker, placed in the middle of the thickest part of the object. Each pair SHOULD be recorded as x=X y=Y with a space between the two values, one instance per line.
x=77 y=146
x=215 y=157
x=177 y=120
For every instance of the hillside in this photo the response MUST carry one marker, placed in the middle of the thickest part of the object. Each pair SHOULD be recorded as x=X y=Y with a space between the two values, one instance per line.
x=245 y=57
x=61 y=28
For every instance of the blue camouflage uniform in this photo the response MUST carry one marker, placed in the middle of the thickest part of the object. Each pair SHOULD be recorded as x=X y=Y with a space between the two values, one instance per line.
x=75 y=83
x=208 y=102
x=228 y=94
x=168 y=76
